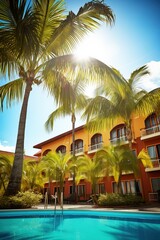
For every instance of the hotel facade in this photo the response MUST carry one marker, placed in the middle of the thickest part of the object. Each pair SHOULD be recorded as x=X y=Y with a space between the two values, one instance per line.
x=146 y=135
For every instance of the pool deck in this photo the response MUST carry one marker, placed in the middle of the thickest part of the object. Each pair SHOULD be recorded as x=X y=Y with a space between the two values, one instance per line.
x=155 y=207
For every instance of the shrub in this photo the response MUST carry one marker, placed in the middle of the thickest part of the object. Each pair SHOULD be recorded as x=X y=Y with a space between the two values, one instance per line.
x=21 y=200
x=115 y=199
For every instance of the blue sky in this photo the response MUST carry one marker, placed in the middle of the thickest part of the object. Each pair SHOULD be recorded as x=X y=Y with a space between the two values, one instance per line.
x=130 y=43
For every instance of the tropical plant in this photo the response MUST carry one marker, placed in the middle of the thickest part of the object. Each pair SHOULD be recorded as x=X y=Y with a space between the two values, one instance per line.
x=5 y=171
x=32 y=36
x=120 y=159
x=32 y=178
x=74 y=100
x=92 y=170
x=121 y=101
x=61 y=165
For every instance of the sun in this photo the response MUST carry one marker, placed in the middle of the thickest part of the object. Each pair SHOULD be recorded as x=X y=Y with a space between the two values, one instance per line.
x=90 y=46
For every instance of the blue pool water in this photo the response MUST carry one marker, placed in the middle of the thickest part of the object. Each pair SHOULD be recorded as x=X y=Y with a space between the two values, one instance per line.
x=78 y=225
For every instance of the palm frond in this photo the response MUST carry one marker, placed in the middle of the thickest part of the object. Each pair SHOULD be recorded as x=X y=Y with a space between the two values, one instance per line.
x=75 y=26
x=137 y=75
x=12 y=91
x=91 y=68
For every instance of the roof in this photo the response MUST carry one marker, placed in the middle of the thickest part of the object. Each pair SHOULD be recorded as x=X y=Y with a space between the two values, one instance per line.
x=40 y=145
x=12 y=154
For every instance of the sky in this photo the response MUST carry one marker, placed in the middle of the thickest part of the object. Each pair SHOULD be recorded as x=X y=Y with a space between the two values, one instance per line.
x=133 y=41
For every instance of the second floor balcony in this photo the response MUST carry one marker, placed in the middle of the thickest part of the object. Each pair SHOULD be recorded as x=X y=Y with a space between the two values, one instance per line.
x=147 y=133
x=119 y=140
x=94 y=147
x=78 y=151
x=156 y=165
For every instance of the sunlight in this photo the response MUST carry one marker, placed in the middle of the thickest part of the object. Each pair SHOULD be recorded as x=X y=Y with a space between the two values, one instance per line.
x=91 y=46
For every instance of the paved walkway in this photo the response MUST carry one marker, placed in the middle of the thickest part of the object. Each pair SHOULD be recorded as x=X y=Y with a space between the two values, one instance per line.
x=146 y=208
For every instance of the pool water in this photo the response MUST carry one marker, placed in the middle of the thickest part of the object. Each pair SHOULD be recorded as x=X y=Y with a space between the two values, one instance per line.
x=78 y=225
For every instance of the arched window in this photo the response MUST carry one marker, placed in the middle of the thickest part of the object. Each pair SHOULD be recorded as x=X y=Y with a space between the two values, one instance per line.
x=96 y=142
x=46 y=151
x=78 y=146
x=152 y=120
x=61 y=149
x=118 y=133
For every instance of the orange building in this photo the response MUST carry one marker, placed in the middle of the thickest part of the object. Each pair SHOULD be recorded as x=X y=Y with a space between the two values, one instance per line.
x=146 y=134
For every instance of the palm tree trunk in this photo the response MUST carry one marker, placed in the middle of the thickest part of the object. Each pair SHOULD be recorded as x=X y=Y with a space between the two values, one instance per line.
x=14 y=185
x=73 y=153
x=129 y=134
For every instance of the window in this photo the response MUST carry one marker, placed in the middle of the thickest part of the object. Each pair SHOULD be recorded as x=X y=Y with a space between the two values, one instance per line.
x=101 y=187
x=155 y=184
x=131 y=186
x=78 y=144
x=154 y=153
x=70 y=189
x=152 y=124
x=97 y=138
x=118 y=133
x=61 y=149
x=81 y=190
x=46 y=151
x=152 y=120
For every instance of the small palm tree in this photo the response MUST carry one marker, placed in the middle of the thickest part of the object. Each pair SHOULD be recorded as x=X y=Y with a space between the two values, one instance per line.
x=61 y=165
x=119 y=159
x=33 y=178
x=5 y=171
x=121 y=101
x=92 y=170
x=34 y=36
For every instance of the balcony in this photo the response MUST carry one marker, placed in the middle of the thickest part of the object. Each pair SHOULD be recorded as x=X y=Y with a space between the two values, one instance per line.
x=119 y=140
x=151 y=132
x=95 y=147
x=156 y=165
x=78 y=151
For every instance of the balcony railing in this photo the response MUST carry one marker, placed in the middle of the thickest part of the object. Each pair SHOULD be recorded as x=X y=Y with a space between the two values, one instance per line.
x=156 y=164
x=95 y=147
x=120 y=139
x=78 y=151
x=150 y=132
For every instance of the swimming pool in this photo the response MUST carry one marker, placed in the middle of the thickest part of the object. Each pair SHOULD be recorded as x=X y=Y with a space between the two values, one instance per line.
x=78 y=225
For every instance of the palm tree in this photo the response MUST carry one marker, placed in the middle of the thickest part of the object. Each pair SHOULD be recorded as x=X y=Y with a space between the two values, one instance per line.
x=119 y=159
x=121 y=101
x=73 y=102
x=33 y=177
x=33 y=35
x=61 y=165
x=5 y=171
x=92 y=170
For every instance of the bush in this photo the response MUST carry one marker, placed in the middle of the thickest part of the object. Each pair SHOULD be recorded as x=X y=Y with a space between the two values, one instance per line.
x=21 y=200
x=115 y=199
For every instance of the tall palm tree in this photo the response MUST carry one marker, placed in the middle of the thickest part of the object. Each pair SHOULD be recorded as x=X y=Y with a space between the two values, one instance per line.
x=121 y=101
x=33 y=35
x=75 y=101
x=61 y=164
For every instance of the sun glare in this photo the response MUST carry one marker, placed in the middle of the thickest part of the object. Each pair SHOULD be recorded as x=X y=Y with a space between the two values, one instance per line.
x=91 y=46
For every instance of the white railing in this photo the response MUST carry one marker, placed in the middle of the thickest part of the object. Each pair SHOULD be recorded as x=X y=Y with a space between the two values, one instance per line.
x=120 y=139
x=156 y=162
x=151 y=130
x=153 y=197
x=78 y=151
x=95 y=147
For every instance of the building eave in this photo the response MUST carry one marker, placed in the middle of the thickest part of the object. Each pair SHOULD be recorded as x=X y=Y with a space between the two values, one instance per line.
x=40 y=145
